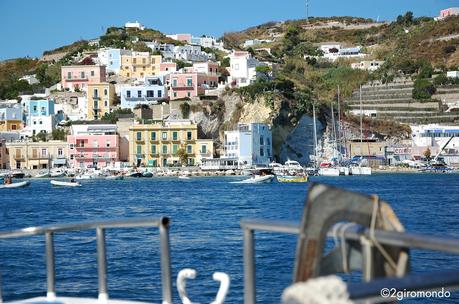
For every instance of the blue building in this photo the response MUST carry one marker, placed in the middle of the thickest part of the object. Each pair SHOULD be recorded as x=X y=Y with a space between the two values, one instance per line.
x=11 y=113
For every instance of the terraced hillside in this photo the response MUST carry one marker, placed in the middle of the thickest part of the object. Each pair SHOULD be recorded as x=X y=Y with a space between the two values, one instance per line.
x=394 y=102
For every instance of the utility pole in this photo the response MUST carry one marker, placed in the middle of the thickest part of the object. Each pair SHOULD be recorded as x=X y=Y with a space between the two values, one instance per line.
x=307 y=10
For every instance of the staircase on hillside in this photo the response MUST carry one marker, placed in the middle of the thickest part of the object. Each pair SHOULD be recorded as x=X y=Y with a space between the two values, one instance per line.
x=394 y=102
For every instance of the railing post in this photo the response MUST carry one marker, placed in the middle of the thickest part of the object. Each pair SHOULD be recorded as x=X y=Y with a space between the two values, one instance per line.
x=101 y=265
x=166 y=277
x=249 y=267
x=367 y=259
x=50 y=267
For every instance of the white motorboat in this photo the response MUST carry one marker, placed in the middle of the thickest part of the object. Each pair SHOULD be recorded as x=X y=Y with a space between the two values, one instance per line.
x=114 y=177
x=85 y=176
x=329 y=171
x=65 y=184
x=15 y=185
x=43 y=174
x=56 y=174
x=257 y=179
x=183 y=177
x=357 y=170
x=343 y=170
x=147 y=174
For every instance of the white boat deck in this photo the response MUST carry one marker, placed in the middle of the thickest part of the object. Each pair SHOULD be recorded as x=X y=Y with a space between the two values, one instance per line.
x=67 y=300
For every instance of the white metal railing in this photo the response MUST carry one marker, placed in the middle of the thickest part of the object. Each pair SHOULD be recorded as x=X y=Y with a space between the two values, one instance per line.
x=100 y=227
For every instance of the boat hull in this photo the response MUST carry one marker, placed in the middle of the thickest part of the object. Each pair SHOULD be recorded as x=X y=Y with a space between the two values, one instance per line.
x=15 y=185
x=64 y=184
x=360 y=170
x=292 y=179
x=257 y=180
x=329 y=172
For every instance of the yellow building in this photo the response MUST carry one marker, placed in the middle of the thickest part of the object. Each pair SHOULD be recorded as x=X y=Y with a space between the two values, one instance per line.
x=100 y=99
x=37 y=155
x=139 y=64
x=10 y=125
x=159 y=145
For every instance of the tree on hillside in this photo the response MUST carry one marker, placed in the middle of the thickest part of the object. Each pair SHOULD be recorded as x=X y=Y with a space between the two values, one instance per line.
x=427 y=153
x=405 y=20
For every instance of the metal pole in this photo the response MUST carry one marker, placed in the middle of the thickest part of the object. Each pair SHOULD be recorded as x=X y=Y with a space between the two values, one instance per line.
x=101 y=265
x=166 y=277
x=50 y=267
x=315 y=134
x=367 y=254
x=339 y=124
x=361 y=118
x=249 y=267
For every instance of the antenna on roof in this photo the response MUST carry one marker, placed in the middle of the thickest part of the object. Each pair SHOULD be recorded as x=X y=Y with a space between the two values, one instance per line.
x=307 y=10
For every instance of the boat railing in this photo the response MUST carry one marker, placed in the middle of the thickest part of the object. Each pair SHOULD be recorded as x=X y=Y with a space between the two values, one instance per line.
x=355 y=232
x=99 y=226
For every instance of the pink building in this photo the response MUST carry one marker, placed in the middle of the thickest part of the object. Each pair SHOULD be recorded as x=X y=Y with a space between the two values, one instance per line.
x=183 y=85
x=452 y=11
x=181 y=37
x=78 y=76
x=167 y=67
x=93 y=146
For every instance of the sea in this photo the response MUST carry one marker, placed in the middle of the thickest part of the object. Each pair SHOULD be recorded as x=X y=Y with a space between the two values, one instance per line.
x=205 y=232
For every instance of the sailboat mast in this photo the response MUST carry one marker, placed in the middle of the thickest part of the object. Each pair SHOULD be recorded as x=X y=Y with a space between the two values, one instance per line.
x=333 y=130
x=361 y=118
x=315 y=133
x=339 y=125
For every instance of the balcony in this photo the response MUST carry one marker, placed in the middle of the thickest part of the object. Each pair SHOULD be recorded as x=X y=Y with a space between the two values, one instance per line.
x=96 y=97
x=19 y=157
x=38 y=157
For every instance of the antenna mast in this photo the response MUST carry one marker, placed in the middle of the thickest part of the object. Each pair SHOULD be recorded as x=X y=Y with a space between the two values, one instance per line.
x=307 y=10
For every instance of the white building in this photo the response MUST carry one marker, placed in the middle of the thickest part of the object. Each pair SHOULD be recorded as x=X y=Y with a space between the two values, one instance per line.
x=31 y=79
x=207 y=42
x=333 y=52
x=243 y=68
x=452 y=74
x=368 y=65
x=135 y=25
x=452 y=11
x=253 y=42
x=250 y=144
x=75 y=108
x=149 y=91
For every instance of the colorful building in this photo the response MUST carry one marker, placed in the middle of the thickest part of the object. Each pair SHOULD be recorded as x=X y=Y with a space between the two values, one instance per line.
x=4 y=157
x=77 y=77
x=93 y=146
x=243 y=68
x=158 y=145
x=37 y=155
x=11 y=118
x=139 y=64
x=100 y=99
x=40 y=116
x=150 y=91
x=193 y=81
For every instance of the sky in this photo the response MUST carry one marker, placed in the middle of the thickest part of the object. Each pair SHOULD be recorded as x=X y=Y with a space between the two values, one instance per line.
x=29 y=27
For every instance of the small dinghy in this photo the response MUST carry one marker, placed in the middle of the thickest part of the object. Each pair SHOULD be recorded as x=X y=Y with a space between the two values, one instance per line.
x=183 y=177
x=65 y=184
x=257 y=179
x=15 y=185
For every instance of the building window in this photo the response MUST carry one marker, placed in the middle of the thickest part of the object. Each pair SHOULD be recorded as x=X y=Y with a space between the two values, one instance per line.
x=96 y=104
x=203 y=149
x=44 y=152
x=175 y=94
x=107 y=144
x=139 y=135
x=93 y=73
x=174 y=135
x=262 y=152
x=174 y=149
x=69 y=75
x=174 y=82
x=105 y=92
x=60 y=151
x=82 y=75
x=139 y=94
x=189 y=149
x=160 y=94
x=106 y=103
x=188 y=94
x=139 y=150
x=261 y=141
x=150 y=93
x=96 y=93
x=164 y=149
x=153 y=135
x=128 y=94
x=153 y=149
x=164 y=135
x=189 y=135
x=189 y=82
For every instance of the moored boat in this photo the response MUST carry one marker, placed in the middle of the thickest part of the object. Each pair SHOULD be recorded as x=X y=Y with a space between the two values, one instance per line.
x=114 y=177
x=147 y=174
x=15 y=185
x=257 y=179
x=65 y=184
x=292 y=179
x=42 y=174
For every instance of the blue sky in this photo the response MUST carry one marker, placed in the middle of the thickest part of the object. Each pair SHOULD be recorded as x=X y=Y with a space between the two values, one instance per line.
x=29 y=27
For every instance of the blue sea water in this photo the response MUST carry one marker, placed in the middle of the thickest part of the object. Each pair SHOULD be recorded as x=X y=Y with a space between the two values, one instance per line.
x=205 y=232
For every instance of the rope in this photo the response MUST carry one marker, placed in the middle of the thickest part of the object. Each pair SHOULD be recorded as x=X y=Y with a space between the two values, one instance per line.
x=372 y=234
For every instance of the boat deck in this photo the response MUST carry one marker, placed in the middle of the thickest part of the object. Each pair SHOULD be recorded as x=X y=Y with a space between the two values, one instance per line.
x=68 y=300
